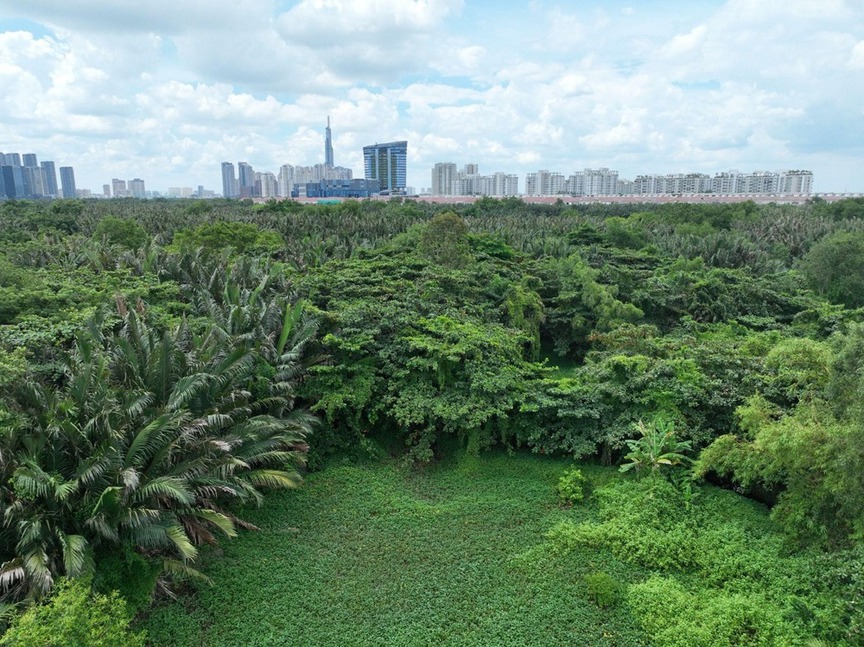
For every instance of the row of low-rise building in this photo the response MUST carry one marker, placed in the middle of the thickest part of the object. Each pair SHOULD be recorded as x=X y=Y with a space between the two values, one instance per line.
x=728 y=183
x=447 y=181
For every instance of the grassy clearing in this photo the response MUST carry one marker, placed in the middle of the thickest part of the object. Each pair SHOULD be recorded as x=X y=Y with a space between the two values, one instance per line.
x=381 y=555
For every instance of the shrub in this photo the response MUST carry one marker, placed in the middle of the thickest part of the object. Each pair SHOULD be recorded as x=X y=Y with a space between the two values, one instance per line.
x=571 y=487
x=644 y=522
x=673 y=617
x=132 y=575
x=73 y=616
x=603 y=589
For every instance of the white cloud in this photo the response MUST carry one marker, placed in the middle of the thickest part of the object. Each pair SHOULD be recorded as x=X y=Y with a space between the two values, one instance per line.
x=166 y=90
x=856 y=58
x=366 y=39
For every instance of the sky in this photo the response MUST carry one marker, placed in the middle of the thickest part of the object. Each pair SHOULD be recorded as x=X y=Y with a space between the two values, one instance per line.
x=166 y=90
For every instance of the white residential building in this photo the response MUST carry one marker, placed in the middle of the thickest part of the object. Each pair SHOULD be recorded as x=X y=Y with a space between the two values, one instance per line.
x=544 y=182
x=443 y=174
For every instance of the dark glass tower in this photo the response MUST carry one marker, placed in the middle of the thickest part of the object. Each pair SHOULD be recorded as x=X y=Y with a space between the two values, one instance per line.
x=50 y=174
x=67 y=181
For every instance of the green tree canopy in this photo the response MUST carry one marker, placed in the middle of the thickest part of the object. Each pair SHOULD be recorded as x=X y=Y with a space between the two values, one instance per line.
x=834 y=267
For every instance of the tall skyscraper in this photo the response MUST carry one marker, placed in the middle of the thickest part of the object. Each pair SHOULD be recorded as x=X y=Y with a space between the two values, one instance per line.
x=34 y=182
x=328 y=145
x=136 y=188
x=67 y=181
x=388 y=165
x=229 y=180
x=286 y=180
x=29 y=159
x=443 y=174
x=13 y=180
x=50 y=175
x=118 y=188
x=246 y=180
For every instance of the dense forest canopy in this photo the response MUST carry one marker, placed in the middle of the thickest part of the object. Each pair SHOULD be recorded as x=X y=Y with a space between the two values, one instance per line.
x=163 y=363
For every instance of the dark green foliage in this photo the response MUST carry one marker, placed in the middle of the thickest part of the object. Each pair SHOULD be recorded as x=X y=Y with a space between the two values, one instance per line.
x=812 y=452
x=73 y=616
x=240 y=236
x=835 y=268
x=444 y=241
x=432 y=339
x=141 y=446
x=581 y=304
x=130 y=574
x=128 y=234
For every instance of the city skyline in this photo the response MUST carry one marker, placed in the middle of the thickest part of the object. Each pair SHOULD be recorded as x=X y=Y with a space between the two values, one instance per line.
x=22 y=176
x=149 y=91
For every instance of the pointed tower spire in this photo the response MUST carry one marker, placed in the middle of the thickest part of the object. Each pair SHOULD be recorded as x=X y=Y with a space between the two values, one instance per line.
x=328 y=145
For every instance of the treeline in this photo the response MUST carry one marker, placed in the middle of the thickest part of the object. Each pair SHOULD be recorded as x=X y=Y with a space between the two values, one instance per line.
x=163 y=361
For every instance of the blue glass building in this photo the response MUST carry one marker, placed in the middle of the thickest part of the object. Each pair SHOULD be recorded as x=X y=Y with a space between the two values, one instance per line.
x=387 y=164
x=67 y=181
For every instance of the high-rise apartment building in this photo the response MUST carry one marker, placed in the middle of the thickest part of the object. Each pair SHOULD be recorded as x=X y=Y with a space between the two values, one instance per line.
x=503 y=184
x=136 y=188
x=544 y=182
x=118 y=188
x=269 y=185
x=229 y=181
x=246 y=180
x=447 y=181
x=443 y=174
x=387 y=164
x=328 y=145
x=67 y=181
x=49 y=175
x=29 y=159
x=11 y=181
x=34 y=183
x=285 y=180
x=796 y=182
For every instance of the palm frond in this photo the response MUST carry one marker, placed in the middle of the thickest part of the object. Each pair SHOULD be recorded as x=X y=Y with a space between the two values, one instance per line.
x=277 y=479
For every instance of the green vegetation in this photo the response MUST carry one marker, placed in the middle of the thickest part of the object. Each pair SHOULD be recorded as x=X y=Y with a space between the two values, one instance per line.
x=379 y=554
x=166 y=365
x=476 y=551
x=74 y=617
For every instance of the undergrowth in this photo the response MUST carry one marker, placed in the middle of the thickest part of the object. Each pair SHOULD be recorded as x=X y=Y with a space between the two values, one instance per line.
x=479 y=551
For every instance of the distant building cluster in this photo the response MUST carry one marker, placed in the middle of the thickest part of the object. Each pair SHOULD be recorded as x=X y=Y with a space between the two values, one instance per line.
x=385 y=165
x=122 y=189
x=446 y=180
x=728 y=183
x=290 y=182
x=22 y=177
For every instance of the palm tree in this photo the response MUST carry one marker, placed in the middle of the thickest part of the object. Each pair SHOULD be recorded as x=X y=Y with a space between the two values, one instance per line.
x=150 y=435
